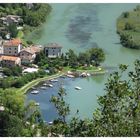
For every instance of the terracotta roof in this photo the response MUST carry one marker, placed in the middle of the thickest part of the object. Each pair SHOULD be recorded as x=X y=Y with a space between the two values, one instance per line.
x=13 y=42
x=10 y=58
x=53 y=45
x=31 y=49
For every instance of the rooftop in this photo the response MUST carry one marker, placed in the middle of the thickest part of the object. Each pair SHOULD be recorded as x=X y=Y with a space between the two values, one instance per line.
x=10 y=58
x=53 y=45
x=13 y=42
x=32 y=49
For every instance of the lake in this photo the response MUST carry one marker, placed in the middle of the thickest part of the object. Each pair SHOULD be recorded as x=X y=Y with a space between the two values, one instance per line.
x=79 y=27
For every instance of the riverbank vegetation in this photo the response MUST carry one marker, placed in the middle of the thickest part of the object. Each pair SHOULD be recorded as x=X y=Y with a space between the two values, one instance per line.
x=117 y=115
x=16 y=79
x=93 y=57
x=128 y=27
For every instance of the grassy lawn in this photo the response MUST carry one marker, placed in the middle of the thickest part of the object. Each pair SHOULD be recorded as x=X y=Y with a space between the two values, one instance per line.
x=21 y=36
x=88 y=69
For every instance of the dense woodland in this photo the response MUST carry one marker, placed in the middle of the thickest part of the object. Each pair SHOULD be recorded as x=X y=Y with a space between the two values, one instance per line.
x=128 y=27
x=118 y=113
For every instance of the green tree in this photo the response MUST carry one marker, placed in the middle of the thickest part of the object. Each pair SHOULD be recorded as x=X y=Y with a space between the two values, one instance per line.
x=61 y=106
x=71 y=59
x=97 y=56
x=12 y=28
x=119 y=108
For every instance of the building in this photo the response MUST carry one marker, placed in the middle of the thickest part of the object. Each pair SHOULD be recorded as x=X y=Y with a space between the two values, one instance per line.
x=53 y=50
x=28 y=54
x=12 y=47
x=9 y=19
x=10 y=61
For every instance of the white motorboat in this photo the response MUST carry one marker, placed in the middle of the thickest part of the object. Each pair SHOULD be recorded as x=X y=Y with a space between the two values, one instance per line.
x=45 y=84
x=49 y=85
x=50 y=123
x=78 y=88
x=35 y=92
x=54 y=80
x=43 y=87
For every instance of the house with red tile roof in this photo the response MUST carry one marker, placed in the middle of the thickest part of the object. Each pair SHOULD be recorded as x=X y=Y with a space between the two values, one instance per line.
x=10 y=61
x=28 y=54
x=12 y=47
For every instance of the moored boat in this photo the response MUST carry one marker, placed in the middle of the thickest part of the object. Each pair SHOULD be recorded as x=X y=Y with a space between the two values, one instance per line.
x=78 y=88
x=49 y=85
x=35 y=92
x=43 y=87
x=53 y=80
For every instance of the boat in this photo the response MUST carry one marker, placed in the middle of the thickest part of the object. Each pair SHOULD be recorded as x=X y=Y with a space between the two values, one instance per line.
x=49 y=85
x=54 y=80
x=50 y=123
x=35 y=92
x=70 y=76
x=37 y=104
x=78 y=88
x=43 y=87
x=45 y=84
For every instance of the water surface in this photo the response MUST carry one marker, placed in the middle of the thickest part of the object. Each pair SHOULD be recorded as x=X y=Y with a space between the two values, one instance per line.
x=79 y=27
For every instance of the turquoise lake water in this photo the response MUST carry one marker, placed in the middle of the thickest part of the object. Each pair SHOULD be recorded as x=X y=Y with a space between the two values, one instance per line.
x=79 y=27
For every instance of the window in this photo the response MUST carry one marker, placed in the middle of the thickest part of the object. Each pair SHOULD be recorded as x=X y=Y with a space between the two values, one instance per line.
x=9 y=48
x=15 y=51
x=15 y=48
x=9 y=51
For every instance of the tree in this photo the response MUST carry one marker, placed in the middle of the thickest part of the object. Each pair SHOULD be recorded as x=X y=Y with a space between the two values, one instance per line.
x=126 y=14
x=84 y=58
x=16 y=119
x=71 y=59
x=12 y=28
x=96 y=56
x=60 y=104
x=119 y=108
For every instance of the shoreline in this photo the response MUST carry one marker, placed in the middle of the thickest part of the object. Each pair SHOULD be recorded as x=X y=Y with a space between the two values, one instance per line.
x=28 y=86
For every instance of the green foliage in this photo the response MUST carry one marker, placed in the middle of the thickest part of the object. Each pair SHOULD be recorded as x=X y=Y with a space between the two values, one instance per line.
x=96 y=56
x=12 y=28
x=14 y=117
x=93 y=56
x=13 y=71
x=118 y=113
x=126 y=14
x=33 y=16
x=21 y=80
x=128 y=25
x=60 y=104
